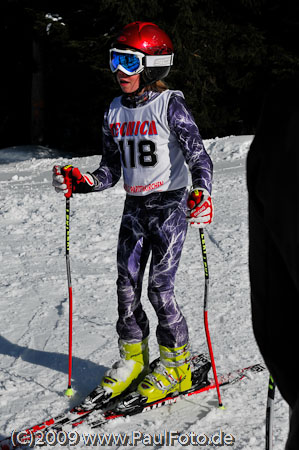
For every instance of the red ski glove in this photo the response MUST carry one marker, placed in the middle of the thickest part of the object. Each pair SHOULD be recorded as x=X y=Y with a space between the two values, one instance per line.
x=69 y=180
x=201 y=208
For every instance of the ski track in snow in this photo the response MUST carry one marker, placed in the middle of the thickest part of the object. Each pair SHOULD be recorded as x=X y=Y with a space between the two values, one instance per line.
x=34 y=300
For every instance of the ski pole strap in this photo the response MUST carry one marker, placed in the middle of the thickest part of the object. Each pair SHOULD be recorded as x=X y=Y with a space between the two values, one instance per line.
x=67 y=173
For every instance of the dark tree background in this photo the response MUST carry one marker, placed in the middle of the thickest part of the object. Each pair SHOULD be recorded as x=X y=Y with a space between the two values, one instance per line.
x=56 y=81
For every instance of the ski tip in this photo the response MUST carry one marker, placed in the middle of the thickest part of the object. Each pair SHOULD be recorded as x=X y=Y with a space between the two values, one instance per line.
x=69 y=392
x=221 y=406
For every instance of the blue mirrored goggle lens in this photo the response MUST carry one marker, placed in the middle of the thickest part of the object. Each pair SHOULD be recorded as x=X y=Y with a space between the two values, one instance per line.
x=126 y=60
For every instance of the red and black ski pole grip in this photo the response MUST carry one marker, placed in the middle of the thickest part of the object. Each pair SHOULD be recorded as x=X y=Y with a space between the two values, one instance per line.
x=67 y=173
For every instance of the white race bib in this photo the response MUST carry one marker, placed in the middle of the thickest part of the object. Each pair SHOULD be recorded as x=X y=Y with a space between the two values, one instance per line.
x=152 y=159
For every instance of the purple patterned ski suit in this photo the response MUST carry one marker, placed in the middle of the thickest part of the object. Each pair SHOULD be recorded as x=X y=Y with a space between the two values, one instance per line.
x=154 y=223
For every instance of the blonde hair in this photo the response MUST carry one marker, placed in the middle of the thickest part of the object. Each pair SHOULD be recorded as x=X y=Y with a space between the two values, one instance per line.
x=157 y=86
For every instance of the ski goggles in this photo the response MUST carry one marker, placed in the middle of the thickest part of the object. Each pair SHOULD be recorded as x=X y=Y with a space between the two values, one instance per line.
x=128 y=61
x=132 y=62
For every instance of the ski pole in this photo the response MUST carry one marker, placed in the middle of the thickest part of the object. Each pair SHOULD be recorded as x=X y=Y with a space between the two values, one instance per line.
x=270 y=413
x=206 y=294
x=66 y=171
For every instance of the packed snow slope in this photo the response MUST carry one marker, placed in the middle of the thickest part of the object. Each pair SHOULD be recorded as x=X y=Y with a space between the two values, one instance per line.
x=34 y=300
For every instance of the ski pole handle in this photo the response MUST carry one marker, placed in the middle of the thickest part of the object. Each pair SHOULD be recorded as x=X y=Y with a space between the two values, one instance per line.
x=67 y=173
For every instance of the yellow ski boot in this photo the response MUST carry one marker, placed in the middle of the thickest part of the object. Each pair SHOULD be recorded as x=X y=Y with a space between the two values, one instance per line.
x=172 y=374
x=129 y=370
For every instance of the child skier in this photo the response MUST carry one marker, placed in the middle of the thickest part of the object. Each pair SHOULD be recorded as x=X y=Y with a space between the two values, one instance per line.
x=150 y=135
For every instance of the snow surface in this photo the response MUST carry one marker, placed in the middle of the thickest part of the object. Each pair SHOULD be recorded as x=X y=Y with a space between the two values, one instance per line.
x=34 y=300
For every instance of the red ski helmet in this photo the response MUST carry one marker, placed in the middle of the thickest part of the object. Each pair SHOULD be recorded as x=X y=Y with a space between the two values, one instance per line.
x=149 y=39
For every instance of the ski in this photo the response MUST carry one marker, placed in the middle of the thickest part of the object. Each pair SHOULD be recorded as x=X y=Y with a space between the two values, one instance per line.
x=133 y=403
x=100 y=412
x=96 y=400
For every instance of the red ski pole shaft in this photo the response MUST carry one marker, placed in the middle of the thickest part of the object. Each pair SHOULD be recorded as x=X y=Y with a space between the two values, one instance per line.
x=66 y=171
x=206 y=295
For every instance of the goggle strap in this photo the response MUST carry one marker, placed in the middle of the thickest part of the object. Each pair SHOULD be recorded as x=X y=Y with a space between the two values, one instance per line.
x=158 y=60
